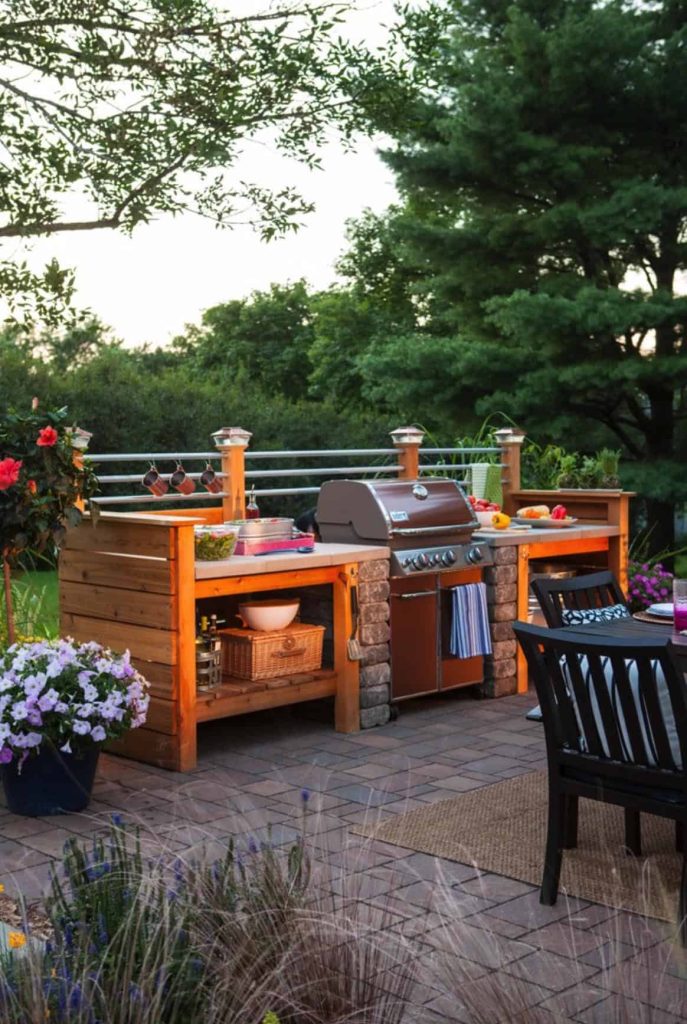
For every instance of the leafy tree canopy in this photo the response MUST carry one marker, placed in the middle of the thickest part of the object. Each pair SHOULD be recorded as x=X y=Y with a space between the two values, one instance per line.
x=133 y=108
x=545 y=200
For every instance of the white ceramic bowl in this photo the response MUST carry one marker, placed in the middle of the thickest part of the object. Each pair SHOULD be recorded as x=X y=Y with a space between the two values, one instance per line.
x=270 y=614
x=485 y=518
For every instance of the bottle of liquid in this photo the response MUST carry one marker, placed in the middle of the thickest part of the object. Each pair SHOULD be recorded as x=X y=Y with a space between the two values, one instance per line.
x=252 y=509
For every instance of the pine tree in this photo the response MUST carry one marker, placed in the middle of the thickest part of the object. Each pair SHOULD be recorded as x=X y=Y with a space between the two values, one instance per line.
x=545 y=179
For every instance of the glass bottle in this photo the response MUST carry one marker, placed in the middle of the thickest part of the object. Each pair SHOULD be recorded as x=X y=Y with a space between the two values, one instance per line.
x=252 y=509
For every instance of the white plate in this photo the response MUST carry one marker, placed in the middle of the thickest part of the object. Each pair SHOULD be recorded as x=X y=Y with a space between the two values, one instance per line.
x=664 y=608
x=549 y=524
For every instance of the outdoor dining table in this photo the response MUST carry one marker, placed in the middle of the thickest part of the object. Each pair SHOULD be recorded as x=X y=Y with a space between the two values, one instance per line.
x=630 y=629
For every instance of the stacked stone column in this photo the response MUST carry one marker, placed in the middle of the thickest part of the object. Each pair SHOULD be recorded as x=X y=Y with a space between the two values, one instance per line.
x=501 y=578
x=374 y=634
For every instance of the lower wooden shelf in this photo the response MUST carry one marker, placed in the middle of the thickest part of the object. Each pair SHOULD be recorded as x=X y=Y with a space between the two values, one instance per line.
x=238 y=696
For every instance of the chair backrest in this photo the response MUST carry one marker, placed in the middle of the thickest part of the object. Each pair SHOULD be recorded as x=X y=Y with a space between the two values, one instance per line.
x=579 y=593
x=609 y=700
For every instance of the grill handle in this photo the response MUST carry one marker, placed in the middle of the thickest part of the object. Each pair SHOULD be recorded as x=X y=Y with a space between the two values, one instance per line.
x=416 y=593
x=416 y=531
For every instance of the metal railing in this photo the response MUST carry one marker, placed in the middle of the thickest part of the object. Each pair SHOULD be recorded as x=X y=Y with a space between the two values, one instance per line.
x=459 y=467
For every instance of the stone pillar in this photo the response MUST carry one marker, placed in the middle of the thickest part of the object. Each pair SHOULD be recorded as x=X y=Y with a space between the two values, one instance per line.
x=374 y=634
x=501 y=578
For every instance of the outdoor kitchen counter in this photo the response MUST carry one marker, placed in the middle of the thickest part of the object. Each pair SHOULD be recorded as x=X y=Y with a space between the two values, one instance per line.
x=133 y=583
x=547 y=535
x=589 y=546
x=289 y=561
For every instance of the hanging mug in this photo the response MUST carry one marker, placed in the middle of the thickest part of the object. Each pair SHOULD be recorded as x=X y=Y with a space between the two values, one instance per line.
x=154 y=482
x=181 y=481
x=208 y=479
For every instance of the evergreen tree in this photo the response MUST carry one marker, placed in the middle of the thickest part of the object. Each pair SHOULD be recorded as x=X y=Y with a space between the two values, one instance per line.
x=545 y=184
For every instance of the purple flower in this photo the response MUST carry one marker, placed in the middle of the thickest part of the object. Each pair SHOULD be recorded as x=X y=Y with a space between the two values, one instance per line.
x=5 y=755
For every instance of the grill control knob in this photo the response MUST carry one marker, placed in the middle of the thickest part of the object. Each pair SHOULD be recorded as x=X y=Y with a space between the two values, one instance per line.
x=436 y=558
x=474 y=555
x=448 y=557
x=407 y=562
x=421 y=561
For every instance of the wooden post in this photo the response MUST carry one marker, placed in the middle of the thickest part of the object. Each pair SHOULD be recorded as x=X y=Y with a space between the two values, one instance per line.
x=185 y=669
x=523 y=600
x=407 y=442
x=347 y=701
x=510 y=442
x=79 y=440
x=619 y=515
x=232 y=442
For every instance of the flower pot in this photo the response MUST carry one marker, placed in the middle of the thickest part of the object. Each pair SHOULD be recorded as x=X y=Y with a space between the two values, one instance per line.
x=50 y=782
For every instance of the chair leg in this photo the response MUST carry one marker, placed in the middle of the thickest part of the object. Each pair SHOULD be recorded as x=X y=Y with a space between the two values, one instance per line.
x=679 y=837
x=633 y=832
x=682 y=904
x=570 y=841
x=554 y=848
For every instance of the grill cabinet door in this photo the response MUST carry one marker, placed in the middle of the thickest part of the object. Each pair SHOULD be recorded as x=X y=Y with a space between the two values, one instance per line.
x=414 y=637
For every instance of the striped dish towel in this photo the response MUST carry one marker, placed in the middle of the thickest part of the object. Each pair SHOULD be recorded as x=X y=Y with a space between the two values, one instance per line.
x=470 y=634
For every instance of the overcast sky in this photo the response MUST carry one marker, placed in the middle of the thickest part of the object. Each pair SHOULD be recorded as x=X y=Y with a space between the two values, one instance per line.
x=148 y=286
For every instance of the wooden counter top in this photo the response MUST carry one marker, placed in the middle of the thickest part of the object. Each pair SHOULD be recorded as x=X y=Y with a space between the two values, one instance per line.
x=323 y=555
x=547 y=535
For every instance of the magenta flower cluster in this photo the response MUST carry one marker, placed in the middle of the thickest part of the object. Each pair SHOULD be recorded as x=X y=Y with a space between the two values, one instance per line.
x=66 y=694
x=648 y=584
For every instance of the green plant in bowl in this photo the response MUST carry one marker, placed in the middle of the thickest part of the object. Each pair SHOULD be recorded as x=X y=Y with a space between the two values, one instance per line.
x=214 y=544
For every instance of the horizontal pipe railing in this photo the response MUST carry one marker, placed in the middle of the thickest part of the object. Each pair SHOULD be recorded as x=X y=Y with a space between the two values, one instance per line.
x=304 y=454
x=459 y=468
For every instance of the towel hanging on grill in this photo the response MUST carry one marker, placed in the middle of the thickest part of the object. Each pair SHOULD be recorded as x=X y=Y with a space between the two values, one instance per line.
x=470 y=634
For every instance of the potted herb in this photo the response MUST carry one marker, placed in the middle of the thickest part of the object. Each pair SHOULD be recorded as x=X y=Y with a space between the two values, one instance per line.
x=59 y=702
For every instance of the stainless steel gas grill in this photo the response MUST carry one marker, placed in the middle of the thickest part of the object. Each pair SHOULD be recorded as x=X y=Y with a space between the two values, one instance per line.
x=429 y=526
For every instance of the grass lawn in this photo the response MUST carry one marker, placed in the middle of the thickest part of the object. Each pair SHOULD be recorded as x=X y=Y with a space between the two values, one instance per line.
x=36 y=604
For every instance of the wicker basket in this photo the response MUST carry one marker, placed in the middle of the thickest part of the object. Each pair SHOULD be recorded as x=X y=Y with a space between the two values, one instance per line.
x=252 y=654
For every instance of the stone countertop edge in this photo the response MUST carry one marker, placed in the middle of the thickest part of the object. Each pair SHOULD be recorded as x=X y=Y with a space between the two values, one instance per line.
x=323 y=555
x=548 y=534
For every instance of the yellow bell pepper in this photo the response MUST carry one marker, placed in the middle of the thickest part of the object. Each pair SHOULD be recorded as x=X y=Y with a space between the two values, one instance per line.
x=500 y=521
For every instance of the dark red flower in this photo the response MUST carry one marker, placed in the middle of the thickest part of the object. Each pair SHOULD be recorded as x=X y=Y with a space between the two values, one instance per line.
x=9 y=473
x=47 y=437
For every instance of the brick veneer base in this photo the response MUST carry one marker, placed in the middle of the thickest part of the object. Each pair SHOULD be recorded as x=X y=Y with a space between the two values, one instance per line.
x=500 y=678
x=373 y=634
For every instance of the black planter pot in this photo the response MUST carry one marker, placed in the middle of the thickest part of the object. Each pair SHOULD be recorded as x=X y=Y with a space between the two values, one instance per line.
x=50 y=782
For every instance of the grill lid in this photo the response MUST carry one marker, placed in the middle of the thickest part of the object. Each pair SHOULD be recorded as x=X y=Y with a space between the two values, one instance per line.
x=394 y=511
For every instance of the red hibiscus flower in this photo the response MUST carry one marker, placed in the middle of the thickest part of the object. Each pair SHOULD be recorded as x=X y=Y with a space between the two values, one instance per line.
x=9 y=473
x=47 y=437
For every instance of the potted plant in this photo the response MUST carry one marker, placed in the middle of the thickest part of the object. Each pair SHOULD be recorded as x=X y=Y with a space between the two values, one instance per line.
x=59 y=702
x=43 y=477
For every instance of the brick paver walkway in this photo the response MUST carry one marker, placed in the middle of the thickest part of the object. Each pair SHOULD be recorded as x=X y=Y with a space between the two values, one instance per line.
x=575 y=961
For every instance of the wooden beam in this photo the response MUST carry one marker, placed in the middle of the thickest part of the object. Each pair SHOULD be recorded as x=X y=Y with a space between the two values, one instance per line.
x=347 y=708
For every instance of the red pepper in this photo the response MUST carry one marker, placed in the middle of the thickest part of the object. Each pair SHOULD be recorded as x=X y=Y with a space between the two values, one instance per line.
x=559 y=512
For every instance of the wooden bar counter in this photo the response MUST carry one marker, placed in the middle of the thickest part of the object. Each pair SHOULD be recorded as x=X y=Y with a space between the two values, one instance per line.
x=132 y=582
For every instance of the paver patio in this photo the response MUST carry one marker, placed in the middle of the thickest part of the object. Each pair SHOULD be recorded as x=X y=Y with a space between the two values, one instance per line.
x=576 y=959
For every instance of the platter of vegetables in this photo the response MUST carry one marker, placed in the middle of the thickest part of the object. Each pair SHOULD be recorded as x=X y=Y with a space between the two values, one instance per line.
x=543 y=516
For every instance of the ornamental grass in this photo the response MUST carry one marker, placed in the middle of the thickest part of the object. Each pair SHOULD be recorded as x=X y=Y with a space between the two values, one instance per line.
x=257 y=938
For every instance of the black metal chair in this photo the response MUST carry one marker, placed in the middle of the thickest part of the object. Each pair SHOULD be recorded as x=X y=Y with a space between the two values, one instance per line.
x=604 y=705
x=582 y=594
x=577 y=594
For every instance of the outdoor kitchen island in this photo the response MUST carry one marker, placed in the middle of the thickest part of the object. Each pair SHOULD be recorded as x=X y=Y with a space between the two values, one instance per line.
x=515 y=554
x=132 y=582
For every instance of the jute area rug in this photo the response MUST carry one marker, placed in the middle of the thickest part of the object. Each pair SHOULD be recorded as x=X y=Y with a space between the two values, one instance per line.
x=502 y=828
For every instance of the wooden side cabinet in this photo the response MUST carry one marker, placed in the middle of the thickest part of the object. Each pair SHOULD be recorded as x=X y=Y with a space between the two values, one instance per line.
x=129 y=583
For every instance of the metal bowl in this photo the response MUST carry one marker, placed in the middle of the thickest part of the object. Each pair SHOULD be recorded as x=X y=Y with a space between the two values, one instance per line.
x=276 y=528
